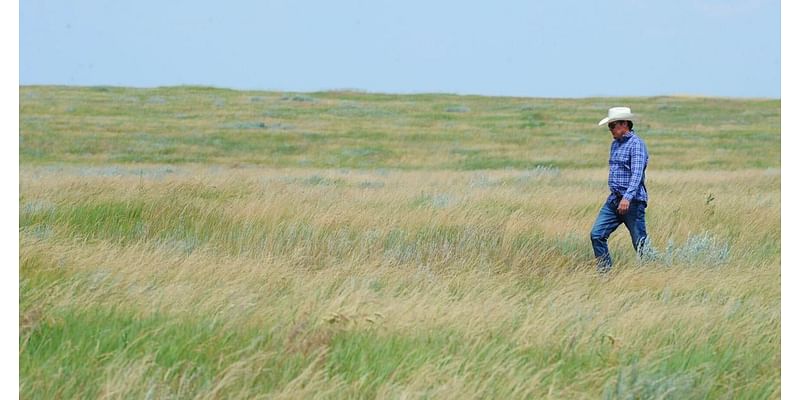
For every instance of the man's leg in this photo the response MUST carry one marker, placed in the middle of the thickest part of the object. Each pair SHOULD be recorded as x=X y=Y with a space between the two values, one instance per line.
x=634 y=221
x=607 y=221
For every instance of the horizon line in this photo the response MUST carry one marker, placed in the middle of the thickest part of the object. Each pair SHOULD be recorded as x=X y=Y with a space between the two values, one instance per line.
x=420 y=93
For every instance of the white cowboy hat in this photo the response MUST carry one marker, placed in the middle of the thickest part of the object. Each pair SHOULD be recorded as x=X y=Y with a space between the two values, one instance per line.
x=618 y=114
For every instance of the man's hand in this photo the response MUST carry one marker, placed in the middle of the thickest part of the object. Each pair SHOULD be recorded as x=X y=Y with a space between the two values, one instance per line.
x=623 y=206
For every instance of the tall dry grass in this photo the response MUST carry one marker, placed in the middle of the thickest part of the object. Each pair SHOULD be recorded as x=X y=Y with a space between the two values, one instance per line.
x=204 y=243
x=225 y=282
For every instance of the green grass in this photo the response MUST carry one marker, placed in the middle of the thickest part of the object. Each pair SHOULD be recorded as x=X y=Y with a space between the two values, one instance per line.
x=193 y=242
x=179 y=356
x=188 y=125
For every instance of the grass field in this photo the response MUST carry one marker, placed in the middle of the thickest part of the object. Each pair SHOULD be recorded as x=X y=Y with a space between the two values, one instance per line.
x=205 y=243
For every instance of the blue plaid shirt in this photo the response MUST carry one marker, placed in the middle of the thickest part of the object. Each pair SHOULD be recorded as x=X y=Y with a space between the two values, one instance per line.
x=626 y=165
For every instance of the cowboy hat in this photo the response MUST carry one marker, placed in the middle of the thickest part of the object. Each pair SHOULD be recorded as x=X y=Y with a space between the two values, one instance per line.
x=618 y=114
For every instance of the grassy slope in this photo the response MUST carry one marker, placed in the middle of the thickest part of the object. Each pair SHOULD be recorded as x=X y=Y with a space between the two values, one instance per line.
x=197 y=242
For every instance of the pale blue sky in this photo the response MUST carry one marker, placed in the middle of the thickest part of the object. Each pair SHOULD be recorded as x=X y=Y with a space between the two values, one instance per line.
x=565 y=48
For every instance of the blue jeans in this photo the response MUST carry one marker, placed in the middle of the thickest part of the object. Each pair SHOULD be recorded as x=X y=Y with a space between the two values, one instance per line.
x=608 y=220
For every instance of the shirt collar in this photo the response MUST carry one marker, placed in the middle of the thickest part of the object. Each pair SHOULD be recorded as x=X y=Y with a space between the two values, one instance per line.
x=626 y=136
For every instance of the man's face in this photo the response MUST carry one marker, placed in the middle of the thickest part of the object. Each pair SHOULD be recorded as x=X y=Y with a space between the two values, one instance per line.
x=618 y=128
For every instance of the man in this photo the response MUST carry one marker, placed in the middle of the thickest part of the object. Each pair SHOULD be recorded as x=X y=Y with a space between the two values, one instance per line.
x=628 y=199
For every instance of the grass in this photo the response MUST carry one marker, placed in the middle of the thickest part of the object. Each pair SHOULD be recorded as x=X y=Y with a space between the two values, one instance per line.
x=187 y=125
x=205 y=243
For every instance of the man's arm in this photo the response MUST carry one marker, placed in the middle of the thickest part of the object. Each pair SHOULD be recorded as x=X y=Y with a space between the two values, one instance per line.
x=638 y=158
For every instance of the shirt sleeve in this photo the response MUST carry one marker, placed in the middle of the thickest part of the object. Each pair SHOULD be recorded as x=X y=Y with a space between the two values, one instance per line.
x=638 y=160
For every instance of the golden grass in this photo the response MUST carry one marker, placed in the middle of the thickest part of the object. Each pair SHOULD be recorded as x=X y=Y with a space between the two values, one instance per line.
x=203 y=243
x=309 y=255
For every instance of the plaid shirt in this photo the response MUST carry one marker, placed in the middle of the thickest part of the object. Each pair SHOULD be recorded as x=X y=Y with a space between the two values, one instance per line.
x=626 y=165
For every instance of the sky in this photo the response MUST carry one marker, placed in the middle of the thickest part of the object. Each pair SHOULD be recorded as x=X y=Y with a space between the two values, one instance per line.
x=552 y=48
